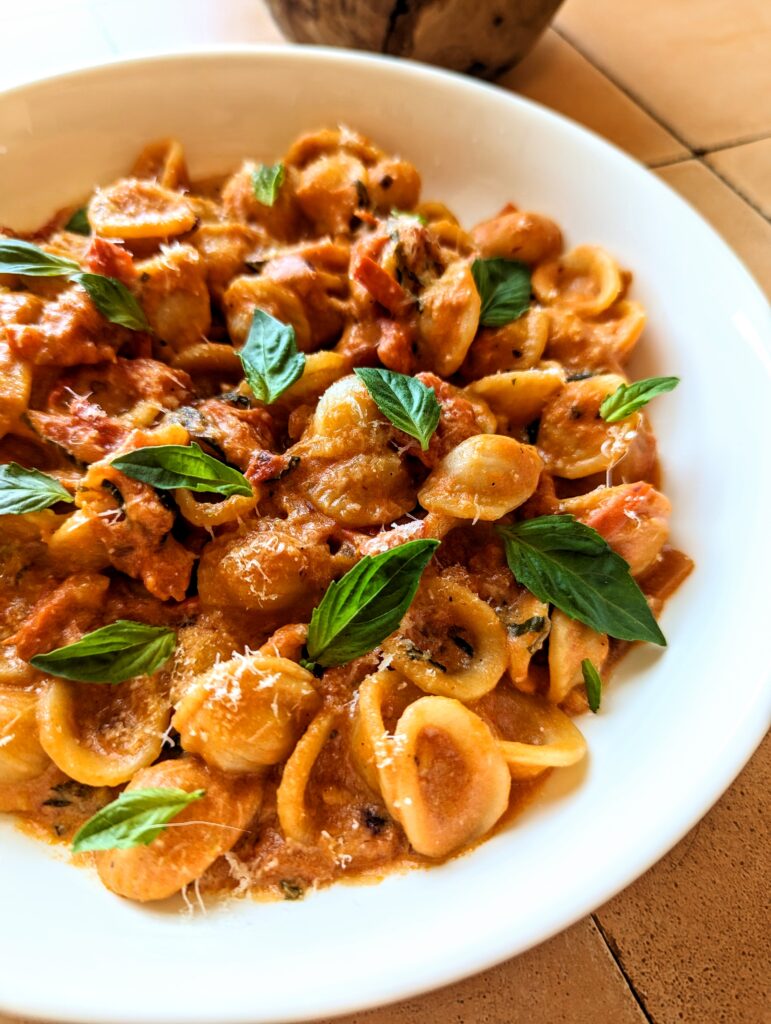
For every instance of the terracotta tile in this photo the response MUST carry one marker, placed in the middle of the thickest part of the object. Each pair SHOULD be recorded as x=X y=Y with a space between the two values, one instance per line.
x=572 y=979
x=744 y=229
x=748 y=169
x=556 y=74
x=693 y=932
x=701 y=66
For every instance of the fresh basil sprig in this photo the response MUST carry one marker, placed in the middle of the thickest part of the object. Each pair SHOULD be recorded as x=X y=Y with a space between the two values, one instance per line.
x=136 y=818
x=593 y=685
x=17 y=257
x=113 y=300
x=270 y=358
x=571 y=566
x=267 y=179
x=366 y=605
x=110 y=296
x=504 y=288
x=27 y=490
x=170 y=466
x=628 y=398
x=112 y=654
x=79 y=223
x=408 y=403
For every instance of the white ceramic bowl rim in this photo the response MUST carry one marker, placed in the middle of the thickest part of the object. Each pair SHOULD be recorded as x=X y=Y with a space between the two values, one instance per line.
x=599 y=865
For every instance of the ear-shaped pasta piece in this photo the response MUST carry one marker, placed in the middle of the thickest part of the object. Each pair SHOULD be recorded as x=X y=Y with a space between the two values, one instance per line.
x=633 y=519
x=518 y=345
x=281 y=220
x=448 y=781
x=559 y=743
x=570 y=642
x=449 y=318
x=328 y=192
x=247 y=293
x=21 y=755
x=290 y=797
x=209 y=357
x=393 y=183
x=384 y=693
x=262 y=569
x=162 y=161
x=453 y=645
x=213 y=513
x=247 y=712
x=199 y=834
x=368 y=489
x=586 y=280
x=320 y=372
x=519 y=397
x=483 y=477
x=348 y=419
x=574 y=441
x=99 y=734
x=15 y=385
x=175 y=298
x=518 y=235
x=602 y=343
x=134 y=209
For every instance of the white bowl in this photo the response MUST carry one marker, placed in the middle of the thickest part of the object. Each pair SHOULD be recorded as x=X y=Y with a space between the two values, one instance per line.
x=675 y=727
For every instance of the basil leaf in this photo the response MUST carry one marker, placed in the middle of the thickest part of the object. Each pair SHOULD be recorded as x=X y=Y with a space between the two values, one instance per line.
x=266 y=182
x=571 y=566
x=27 y=490
x=17 y=257
x=504 y=288
x=111 y=654
x=78 y=222
x=136 y=818
x=408 y=403
x=169 y=466
x=270 y=358
x=593 y=685
x=113 y=300
x=628 y=398
x=364 y=607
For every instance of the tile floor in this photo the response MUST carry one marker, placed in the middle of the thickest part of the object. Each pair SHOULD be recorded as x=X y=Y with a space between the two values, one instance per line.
x=684 y=86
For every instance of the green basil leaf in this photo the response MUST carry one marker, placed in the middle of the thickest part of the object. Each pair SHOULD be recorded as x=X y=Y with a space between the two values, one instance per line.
x=113 y=300
x=27 y=490
x=364 y=607
x=628 y=398
x=408 y=403
x=504 y=288
x=409 y=215
x=270 y=358
x=78 y=222
x=136 y=818
x=169 y=466
x=17 y=257
x=593 y=685
x=571 y=566
x=266 y=182
x=111 y=654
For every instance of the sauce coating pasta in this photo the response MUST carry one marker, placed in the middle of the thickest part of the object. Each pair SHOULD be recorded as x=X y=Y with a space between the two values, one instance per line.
x=311 y=771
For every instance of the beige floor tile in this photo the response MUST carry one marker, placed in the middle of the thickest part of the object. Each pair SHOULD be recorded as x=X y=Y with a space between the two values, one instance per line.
x=692 y=933
x=748 y=169
x=556 y=75
x=742 y=227
x=572 y=979
x=702 y=66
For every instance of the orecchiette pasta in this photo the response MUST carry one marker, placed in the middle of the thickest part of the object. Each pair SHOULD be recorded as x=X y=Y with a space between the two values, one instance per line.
x=216 y=487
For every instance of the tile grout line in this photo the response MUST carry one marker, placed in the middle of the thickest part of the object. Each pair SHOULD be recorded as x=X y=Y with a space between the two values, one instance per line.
x=696 y=153
x=737 y=191
x=616 y=957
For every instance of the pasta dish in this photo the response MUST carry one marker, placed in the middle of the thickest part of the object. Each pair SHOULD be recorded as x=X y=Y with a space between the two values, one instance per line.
x=322 y=519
